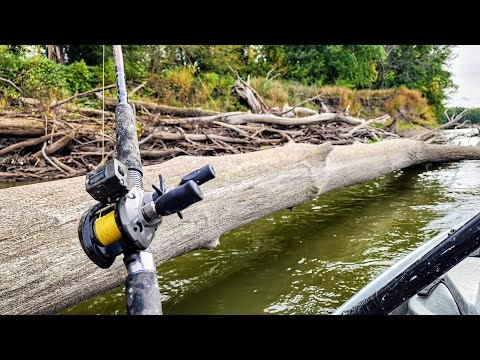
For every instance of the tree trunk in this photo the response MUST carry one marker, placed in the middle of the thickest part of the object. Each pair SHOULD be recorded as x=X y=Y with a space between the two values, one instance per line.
x=43 y=268
x=55 y=54
x=246 y=93
x=30 y=127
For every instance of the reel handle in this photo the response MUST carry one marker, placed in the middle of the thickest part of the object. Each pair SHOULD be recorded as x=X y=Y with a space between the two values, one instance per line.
x=200 y=176
x=178 y=199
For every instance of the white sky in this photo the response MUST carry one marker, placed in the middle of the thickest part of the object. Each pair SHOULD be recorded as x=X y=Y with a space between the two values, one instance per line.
x=466 y=70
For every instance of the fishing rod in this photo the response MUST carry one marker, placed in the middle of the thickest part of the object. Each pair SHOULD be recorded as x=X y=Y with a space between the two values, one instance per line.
x=417 y=272
x=126 y=217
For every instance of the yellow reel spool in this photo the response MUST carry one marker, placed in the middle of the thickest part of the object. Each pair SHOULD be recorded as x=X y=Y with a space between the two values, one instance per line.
x=106 y=229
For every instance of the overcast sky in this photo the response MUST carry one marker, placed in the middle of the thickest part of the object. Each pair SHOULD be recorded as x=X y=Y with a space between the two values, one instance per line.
x=466 y=70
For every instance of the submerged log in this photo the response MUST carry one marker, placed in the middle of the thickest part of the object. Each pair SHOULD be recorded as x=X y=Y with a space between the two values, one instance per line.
x=43 y=268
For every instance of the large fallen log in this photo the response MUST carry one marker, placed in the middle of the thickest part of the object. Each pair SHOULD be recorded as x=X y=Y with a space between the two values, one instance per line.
x=43 y=268
x=21 y=127
x=236 y=118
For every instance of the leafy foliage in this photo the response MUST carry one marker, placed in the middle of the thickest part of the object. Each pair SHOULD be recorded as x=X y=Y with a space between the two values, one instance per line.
x=191 y=74
x=353 y=66
x=42 y=79
x=79 y=77
x=421 y=67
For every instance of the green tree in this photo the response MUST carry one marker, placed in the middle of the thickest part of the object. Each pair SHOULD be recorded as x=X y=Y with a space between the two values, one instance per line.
x=90 y=54
x=216 y=58
x=168 y=67
x=422 y=67
x=354 y=66
x=136 y=59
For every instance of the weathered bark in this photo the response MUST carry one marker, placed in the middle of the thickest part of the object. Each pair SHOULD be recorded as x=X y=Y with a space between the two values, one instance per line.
x=246 y=93
x=430 y=134
x=55 y=53
x=21 y=127
x=156 y=154
x=57 y=145
x=43 y=268
x=152 y=154
x=68 y=169
x=28 y=127
x=32 y=126
x=452 y=121
x=236 y=118
x=249 y=94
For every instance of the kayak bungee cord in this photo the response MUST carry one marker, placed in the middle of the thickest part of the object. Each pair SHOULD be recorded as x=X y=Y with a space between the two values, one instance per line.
x=126 y=216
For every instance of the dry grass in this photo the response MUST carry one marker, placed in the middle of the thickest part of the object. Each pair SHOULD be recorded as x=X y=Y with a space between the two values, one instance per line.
x=182 y=87
x=407 y=108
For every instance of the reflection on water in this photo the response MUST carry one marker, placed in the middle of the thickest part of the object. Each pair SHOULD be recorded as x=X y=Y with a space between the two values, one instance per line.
x=310 y=260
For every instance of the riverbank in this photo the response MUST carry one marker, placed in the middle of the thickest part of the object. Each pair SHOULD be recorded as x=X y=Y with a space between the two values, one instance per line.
x=67 y=138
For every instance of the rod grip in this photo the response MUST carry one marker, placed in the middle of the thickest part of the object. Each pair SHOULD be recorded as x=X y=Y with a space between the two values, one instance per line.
x=128 y=151
x=142 y=294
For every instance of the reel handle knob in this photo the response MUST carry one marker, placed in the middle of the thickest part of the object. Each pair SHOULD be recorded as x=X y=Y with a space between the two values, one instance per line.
x=200 y=176
x=178 y=199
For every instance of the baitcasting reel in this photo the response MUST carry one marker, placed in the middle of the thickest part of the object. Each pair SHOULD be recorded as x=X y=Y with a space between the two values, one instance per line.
x=126 y=217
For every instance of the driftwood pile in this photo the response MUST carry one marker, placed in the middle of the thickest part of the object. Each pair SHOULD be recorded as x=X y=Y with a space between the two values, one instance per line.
x=63 y=140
